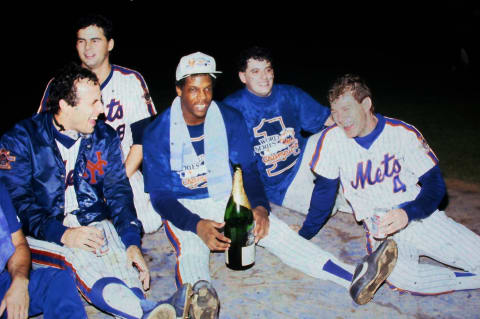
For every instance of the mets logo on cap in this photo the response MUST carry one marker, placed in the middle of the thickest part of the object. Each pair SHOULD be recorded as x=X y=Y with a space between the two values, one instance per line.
x=6 y=159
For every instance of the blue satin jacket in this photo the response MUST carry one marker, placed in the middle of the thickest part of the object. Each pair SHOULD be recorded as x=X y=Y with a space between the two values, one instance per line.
x=33 y=171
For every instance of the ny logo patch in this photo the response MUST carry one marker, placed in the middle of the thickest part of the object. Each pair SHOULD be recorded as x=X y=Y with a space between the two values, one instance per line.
x=95 y=168
x=6 y=159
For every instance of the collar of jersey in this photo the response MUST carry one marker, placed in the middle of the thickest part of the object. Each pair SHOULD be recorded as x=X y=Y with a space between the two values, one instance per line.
x=367 y=140
x=261 y=99
x=65 y=140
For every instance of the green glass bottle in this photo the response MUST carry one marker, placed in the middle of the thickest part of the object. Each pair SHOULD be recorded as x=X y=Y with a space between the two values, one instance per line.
x=239 y=226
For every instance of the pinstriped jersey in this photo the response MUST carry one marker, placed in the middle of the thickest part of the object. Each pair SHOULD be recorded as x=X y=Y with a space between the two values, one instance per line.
x=384 y=174
x=126 y=100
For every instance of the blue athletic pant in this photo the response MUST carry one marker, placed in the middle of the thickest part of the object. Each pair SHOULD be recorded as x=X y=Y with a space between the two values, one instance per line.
x=52 y=292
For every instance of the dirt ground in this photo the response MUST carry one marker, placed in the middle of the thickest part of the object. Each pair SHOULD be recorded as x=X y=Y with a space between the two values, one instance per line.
x=272 y=290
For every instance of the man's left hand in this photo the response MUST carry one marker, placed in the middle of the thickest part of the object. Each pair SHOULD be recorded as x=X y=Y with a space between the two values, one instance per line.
x=16 y=300
x=135 y=257
x=262 y=223
x=393 y=221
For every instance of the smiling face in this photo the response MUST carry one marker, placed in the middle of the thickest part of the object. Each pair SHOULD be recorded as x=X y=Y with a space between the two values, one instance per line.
x=93 y=48
x=83 y=116
x=258 y=77
x=196 y=96
x=356 y=119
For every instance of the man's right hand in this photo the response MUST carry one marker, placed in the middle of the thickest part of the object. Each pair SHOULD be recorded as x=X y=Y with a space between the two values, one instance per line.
x=84 y=237
x=207 y=230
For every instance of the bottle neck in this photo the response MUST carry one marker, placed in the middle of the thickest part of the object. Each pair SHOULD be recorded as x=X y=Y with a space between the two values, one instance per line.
x=238 y=192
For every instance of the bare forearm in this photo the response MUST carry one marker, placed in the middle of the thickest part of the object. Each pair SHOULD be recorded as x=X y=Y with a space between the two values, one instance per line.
x=134 y=159
x=19 y=263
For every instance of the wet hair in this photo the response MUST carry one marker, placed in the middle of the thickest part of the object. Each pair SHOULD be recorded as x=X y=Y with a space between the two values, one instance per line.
x=63 y=86
x=256 y=53
x=97 y=20
x=181 y=83
x=349 y=83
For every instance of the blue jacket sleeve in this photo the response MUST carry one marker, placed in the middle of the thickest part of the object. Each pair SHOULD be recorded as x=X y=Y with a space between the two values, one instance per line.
x=8 y=210
x=17 y=178
x=172 y=210
x=138 y=128
x=431 y=194
x=119 y=198
x=323 y=199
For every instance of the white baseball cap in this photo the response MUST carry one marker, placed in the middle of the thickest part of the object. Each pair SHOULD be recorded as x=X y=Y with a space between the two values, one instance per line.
x=195 y=63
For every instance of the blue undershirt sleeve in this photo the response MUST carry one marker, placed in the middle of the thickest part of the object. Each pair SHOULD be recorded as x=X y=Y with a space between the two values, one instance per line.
x=138 y=128
x=323 y=199
x=427 y=201
x=172 y=210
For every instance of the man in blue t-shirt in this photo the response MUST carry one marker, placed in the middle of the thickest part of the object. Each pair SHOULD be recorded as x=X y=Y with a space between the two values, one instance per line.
x=276 y=116
x=23 y=293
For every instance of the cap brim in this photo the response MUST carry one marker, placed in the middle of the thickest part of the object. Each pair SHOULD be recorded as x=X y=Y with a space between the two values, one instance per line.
x=211 y=73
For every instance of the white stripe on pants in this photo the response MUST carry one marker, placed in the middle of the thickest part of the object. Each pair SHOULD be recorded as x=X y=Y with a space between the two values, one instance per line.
x=441 y=238
x=295 y=251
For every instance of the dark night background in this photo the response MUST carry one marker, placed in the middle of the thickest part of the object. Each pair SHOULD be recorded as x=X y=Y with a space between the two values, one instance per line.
x=401 y=48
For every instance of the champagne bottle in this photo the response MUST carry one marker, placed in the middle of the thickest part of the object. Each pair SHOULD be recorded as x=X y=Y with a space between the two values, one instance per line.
x=239 y=226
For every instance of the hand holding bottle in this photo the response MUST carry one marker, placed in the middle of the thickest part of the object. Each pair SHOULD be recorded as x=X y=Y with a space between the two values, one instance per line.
x=207 y=230
x=262 y=223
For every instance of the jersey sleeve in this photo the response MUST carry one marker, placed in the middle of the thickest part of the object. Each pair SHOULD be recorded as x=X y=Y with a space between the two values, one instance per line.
x=143 y=104
x=324 y=159
x=419 y=157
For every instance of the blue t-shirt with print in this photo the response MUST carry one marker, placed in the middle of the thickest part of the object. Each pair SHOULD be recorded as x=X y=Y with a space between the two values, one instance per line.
x=275 y=123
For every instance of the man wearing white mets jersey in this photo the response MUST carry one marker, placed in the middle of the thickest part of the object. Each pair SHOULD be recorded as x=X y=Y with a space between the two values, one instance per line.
x=84 y=222
x=189 y=149
x=126 y=100
x=391 y=178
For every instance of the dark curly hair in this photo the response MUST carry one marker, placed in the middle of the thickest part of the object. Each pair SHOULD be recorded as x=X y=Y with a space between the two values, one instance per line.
x=350 y=83
x=98 y=20
x=256 y=53
x=63 y=86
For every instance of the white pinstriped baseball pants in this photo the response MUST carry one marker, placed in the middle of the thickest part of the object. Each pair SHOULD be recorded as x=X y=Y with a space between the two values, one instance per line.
x=90 y=269
x=295 y=251
x=442 y=239
x=151 y=220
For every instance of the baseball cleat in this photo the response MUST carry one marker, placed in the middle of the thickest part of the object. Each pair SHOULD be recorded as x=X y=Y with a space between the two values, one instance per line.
x=161 y=311
x=205 y=303
x=181 y=300
x=373 y=271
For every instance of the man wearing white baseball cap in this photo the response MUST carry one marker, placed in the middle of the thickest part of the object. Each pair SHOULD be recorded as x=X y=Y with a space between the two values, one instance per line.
x=196 y=63
x=188 y=151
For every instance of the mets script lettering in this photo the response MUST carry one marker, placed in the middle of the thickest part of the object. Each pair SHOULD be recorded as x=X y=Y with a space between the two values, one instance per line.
x=115 y=110
x=389 y=168
x=95 y=168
